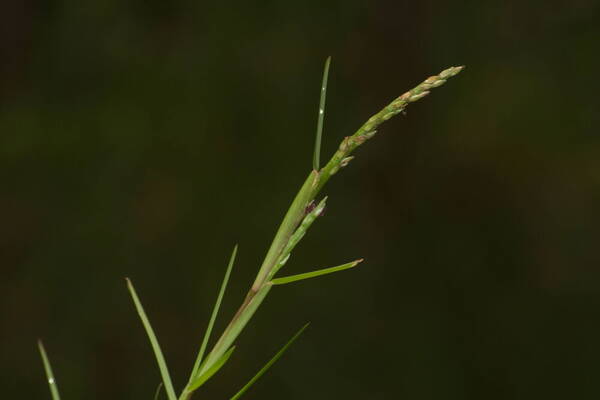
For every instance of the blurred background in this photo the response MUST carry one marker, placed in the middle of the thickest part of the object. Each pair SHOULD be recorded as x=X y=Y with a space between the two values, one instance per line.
x=146 y=138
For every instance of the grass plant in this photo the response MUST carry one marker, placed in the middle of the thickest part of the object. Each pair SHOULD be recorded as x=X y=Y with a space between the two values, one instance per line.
x=302 y=213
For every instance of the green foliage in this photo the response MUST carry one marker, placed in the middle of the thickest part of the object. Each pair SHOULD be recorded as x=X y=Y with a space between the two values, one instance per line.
x=302 y=213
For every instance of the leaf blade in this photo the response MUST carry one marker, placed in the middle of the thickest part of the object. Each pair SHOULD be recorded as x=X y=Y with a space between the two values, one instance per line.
x=201 y=380
x=160 y=359
x=314 y=274
x=268 y=365
x=215 y=311
x=49 y=374
x=318 y=138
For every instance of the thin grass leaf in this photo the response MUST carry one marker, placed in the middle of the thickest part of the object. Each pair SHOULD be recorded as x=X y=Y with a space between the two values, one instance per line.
x=314 y=274
x=49 y=373
x=317 y=152
x=199 y=381
x=215 y=311
x=270 y=363
x=157 y=393
x=160 y=359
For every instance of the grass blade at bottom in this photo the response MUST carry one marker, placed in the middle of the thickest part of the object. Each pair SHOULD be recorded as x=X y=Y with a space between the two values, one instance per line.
x=160 y=359
x=269 y=364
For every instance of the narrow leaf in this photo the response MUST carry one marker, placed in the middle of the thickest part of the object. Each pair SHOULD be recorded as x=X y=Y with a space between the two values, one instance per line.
x=269 y=364
x=213 y=317
x=314 y=274
x=160 y=359
x=317 y=152
x=199 y=381
x=49 y=373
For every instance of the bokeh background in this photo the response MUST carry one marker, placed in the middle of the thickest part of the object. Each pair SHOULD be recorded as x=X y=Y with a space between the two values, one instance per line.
x=145 y=138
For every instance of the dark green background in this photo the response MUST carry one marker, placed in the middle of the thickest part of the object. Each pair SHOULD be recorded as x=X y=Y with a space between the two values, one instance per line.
x=145 y=138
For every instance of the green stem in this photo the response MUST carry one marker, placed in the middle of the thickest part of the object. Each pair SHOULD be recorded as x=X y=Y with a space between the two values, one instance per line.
x=292 y=218
x=237 y=324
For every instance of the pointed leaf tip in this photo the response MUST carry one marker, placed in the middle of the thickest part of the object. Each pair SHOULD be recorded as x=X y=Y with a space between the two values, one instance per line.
x=213 y=317
x=314 y=274
x=160 y=359
x=272 y=361
x=48 y=369
x=157 y=392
